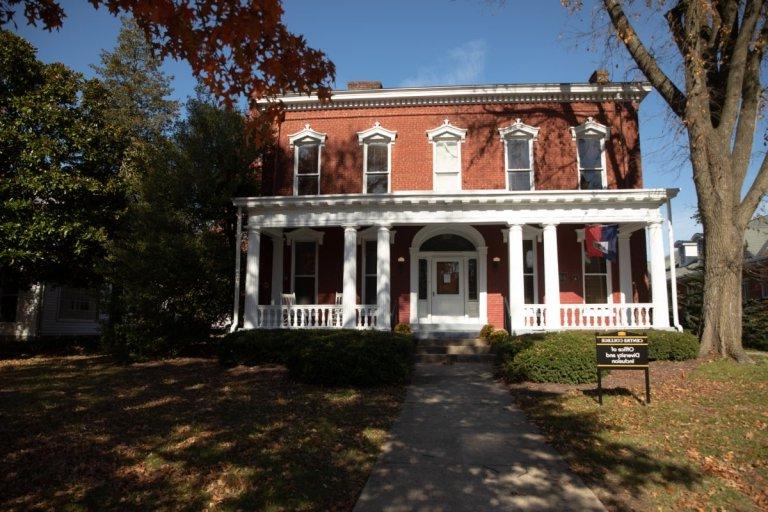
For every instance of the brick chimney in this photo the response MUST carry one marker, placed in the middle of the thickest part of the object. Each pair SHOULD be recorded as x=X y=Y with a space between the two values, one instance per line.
x=363 y=85
x=600 y=77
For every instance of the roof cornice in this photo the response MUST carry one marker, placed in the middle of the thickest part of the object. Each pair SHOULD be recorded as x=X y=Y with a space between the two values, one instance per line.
x=468 y=95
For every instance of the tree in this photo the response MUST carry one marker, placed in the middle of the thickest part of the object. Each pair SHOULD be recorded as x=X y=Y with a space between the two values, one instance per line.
x=721 y=47
x=235 y=47
x=60 y=194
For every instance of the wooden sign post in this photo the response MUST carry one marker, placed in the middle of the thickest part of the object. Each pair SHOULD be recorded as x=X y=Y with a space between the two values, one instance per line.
x=622 y=351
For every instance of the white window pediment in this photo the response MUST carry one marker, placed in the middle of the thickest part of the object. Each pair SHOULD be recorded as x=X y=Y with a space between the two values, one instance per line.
x=304 y=235
x=306 y=136
x=446 y=131
x=590 y=128
x=376 y=134
x=371 y=233
x=518 y=129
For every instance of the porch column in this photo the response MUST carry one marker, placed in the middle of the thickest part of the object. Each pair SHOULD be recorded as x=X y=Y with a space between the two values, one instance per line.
x=349 y=289
x=383 y=278
x=516 y=277
x=482 y=283
x=551 y=277
x=277 y=267
x=625 y=268
x=250 y=310
x=658 y=276
x=238 y=250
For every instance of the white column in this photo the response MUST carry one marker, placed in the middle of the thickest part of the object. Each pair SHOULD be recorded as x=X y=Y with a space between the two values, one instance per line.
x=238 y=250
x=277 y=268
x=658 y=276
x=383 y=278
x=349 y=298
x=672 y=276
x=516 y=277
x=551 y=277
x=482 y=283
x=625 y=268
x=252 y=278
x=414 y=302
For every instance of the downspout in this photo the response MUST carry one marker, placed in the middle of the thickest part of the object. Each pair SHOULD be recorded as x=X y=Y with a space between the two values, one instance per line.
x=238 y=244
x=671 y=193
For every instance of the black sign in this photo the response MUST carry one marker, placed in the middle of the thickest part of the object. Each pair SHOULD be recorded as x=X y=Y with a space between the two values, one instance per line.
x=630 y=352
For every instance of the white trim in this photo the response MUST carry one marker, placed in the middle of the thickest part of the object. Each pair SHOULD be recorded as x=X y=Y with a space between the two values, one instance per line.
x=463 y=95
x=447 y=131
x=304 y=235
x=443 y=134
x=377 y=133
x=293 y=267
x=377 y=136
x=303 y=138
x=306 y=135
x=590 y=129
x=519 y=131
x=371 y=233
x=464 y=230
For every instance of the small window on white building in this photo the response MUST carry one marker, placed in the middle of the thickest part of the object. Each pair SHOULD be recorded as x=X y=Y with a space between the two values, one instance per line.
x=377 y=159
x=518 y=155
x=595 y=279
x=446 y=156
x=307 y=145
x=77 y=304
x=590 y=138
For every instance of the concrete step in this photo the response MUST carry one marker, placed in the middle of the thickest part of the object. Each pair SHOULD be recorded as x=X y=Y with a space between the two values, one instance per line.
x=454 y=358
x=423 y=334
x=467 y=342
x=453 y=349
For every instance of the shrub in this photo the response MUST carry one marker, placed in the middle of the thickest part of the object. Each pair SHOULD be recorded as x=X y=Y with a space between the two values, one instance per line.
x=672 y=346
x=507 y=349
x=755 y=324
x=404 y=329
x=497 y=336
x=564 y=357
x=352 y=358
x=486 y=331
x=257 y=346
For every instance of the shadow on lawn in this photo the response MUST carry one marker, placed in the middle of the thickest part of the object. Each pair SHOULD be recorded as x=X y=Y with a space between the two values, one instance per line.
x=85 y=434
x=596 y=451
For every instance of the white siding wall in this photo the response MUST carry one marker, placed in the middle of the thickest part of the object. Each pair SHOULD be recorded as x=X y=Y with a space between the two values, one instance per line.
x=26 y=316
x=52 y=325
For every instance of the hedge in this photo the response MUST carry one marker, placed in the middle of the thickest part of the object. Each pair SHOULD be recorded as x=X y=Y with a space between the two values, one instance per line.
x=672 y=346
x=325 y=357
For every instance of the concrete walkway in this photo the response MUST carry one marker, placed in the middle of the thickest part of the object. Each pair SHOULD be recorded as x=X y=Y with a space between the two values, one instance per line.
x=461 y=445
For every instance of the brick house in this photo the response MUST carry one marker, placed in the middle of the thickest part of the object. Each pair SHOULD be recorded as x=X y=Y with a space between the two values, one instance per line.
x=447 y=208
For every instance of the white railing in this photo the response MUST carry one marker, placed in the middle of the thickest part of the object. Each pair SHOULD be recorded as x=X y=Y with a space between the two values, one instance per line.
x=365 y=316
x=309 y=316
x=534 y=316
x=605 y=316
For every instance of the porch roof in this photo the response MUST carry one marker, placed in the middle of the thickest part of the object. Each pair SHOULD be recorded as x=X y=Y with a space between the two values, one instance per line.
x=468 y=207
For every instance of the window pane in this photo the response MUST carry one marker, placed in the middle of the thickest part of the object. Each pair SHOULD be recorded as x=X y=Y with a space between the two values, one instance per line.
x=518 y=154
x=370 y=290
x=595 y=289
x=422 y=279
x=528 y=260
x=472 y=277
x=76 y=304
x=308 y=154
x=307 y=185
x=591 y=180
x=305 y=258
x=594 y=265
x=377 y=158
x=447 y=277
x=377 y=183
x=370 y=257
x=447 y=156
x=589 y=153
x=519 y=180
x=528 y=284
x=304 y=287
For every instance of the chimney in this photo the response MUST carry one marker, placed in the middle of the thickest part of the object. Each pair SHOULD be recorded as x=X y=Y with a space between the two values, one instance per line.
x=600 y=77
x=363 y=85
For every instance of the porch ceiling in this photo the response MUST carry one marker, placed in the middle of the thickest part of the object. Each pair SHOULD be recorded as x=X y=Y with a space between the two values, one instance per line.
x=470 y=207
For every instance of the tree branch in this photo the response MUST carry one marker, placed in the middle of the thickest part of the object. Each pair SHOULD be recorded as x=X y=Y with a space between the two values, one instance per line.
x=755 y=193
x=645 y=61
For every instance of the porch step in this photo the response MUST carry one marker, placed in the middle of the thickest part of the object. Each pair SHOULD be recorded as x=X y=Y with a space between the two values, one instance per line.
x=438 y=333
x=445 y=351
x=466 y=342
x=454 y=358
x=453 y=349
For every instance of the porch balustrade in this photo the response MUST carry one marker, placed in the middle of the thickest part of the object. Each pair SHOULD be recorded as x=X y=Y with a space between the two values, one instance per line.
x=310 y=316
x=366 y=316
x=591 y=316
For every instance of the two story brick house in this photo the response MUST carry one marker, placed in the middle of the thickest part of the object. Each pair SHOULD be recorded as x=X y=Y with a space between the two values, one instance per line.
x=447 y=208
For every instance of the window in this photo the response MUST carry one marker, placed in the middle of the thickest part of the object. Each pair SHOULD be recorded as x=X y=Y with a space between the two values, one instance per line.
x=518 y=154
x=369 y=272
x=307 y=158
x=590 y=154
x=77 y=304
x=377 y=154
x=422 y=279
x=305 y=272
x=472 y=278
x=9 y=300
x=446 y=156
x=529 y=272
x=595 y=279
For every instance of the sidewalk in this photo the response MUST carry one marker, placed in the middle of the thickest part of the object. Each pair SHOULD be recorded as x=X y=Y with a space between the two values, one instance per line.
x=461 y=445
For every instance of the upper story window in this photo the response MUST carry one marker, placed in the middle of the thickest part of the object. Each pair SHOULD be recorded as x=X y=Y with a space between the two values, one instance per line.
x=518 y=155
x=307 y=147
x=446 y=142
x=377 y=159
x=590 y=138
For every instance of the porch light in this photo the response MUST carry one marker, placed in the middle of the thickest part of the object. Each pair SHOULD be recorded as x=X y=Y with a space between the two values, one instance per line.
x=496 y=259
x=400 y=259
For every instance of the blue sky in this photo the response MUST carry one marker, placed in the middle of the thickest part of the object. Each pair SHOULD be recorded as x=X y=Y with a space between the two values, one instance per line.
x=425 y=42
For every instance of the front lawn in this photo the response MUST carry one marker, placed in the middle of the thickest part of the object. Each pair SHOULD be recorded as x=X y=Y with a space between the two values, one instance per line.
x=83 y=433
x=701 y=445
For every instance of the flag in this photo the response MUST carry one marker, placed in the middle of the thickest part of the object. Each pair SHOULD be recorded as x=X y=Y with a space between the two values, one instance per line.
x=600 y=241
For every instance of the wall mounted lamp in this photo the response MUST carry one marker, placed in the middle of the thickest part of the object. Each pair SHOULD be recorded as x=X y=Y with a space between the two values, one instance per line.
x=400 y=259
x=496 y=259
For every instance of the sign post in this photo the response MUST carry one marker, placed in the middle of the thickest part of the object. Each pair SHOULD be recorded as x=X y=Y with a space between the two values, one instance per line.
x=621 y=351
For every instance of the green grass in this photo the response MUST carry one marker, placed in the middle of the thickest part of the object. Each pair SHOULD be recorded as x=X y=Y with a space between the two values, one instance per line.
x=701 y=445
x=83 y=433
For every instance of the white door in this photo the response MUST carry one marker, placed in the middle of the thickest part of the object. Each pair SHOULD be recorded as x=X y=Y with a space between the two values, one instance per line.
x=448 y=287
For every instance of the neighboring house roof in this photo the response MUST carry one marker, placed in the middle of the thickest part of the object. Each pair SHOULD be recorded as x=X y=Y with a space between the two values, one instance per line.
x=756 y=238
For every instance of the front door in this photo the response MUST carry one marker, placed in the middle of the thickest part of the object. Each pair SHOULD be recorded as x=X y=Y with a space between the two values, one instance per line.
x=448 y=288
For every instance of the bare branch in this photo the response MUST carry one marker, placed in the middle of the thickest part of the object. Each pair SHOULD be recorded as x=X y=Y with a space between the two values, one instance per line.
x=755 y=194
